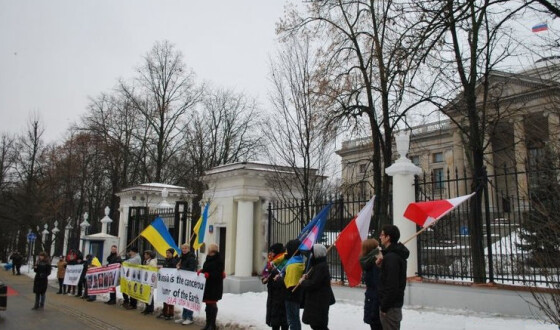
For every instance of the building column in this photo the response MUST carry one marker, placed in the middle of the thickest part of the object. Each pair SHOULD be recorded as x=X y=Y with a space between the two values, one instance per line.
x=458 y=162
x=244 y=236
x=520 y=152
x=123 y=228
x=403 y=171
x=554 y=130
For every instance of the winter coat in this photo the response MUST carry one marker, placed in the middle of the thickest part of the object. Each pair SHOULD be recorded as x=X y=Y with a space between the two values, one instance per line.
x=150 y=262
x=113 y=258
x=372 y=279
x=318 y=294
x=170 y=262
x=215 y=281
x=393 y=277
x=188 y=261
x=61 y=268
x=275 y=308
x=17 y=259
x=42 y=272
x=135 y=260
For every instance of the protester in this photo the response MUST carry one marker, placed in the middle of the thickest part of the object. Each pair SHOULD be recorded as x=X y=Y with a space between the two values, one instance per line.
x=72 y=259
x=88 y=264
x=134 y=259
x=42 y=271
x=149 y=260
x=17 y=261
x=113 y=258
x=293 y=272
x=170 y=262
x=275 y=308
x=81 y=281
x=368 y=256
x=393 y=277
x=318 y=294
x=187 y=262
x=213 y=270
x=60 y=272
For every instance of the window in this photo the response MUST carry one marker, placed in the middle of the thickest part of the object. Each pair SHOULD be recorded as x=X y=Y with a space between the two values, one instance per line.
x=415 y=160
x=438 y=178
x=437 y=157
x=362 y=168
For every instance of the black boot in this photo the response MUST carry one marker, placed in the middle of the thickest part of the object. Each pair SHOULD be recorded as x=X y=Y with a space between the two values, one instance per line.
x=213 y=316
x=208 y=317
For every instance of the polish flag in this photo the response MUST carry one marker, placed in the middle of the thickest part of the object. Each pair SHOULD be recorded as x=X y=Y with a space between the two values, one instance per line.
x=349 y=243
x=426 y=213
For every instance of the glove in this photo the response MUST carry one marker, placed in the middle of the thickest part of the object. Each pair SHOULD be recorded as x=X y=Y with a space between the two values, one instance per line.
x=223 y=274
x=206 y=275
x=198 y=272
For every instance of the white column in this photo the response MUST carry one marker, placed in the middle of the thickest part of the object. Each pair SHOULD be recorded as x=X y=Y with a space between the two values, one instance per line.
x=403 y=171
x=123 y=227
x=244 y=236
x=54 y=232
x=520 y=149
x=66 y=237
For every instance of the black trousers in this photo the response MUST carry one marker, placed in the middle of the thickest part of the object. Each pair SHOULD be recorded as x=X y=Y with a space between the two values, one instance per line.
x=61 y=286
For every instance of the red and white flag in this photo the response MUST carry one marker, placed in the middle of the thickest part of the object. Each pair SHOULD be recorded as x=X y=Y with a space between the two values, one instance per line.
x=426 y=213
x=349 y=243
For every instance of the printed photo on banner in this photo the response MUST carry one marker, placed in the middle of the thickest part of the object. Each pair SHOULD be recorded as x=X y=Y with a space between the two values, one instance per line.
x=181 y=288
x=137 y=281
x=103 y=279
x=72 y=275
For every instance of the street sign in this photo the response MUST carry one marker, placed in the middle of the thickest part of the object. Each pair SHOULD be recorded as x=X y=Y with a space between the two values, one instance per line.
x=31 y=237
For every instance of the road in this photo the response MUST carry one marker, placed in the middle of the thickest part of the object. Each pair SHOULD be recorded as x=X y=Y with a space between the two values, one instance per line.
x=63 y=312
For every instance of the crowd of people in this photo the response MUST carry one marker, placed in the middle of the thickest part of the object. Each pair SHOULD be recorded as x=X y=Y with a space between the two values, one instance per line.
x=293 y=284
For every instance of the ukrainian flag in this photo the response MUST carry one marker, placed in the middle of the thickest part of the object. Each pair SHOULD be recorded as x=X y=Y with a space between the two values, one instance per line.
x=200 y=228
x=95 y=262
x=158 y=235
x=294 y=270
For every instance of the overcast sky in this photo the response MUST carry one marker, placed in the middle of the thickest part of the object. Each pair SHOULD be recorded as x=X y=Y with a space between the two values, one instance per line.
x=55 y=54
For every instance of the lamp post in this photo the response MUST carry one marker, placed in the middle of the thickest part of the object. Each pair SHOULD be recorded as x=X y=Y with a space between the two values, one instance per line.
x=84 y=226
x=54 y=232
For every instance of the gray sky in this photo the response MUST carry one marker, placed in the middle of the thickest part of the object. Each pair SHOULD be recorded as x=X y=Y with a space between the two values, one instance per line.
x=55 y=54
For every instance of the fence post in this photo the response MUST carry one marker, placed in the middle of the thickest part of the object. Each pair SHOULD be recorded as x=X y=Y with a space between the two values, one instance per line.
x=269 y=231
x=341 y=225
x=488 y=229
x=419 y=240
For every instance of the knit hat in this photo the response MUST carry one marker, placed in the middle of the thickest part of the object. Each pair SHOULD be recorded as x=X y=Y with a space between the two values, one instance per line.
x=172 y=250
x=276 y=248
x=319 y=250
x=292 y=247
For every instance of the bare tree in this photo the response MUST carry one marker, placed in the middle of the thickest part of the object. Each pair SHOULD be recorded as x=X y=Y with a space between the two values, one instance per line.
x=294 y=132
x=165 y=92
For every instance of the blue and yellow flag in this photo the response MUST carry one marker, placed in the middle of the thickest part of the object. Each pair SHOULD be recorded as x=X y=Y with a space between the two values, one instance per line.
x=293 y=271
x=200 y=228
x=160 y=238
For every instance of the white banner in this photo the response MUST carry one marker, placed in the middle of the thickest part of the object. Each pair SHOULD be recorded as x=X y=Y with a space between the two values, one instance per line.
x=73 y=273
x=181 y=288
x=103 y=279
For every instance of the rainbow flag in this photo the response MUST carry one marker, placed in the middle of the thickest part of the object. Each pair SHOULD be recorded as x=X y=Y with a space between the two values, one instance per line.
x=160 y=238
x=200 y=228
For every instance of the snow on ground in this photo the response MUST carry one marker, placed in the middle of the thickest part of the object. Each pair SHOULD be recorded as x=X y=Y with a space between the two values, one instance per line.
x=248 y=310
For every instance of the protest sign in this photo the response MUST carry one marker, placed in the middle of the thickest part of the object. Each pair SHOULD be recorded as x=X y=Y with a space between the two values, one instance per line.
x=137 y=281
x=72 y=275
x=181 y=288
x=102 y=279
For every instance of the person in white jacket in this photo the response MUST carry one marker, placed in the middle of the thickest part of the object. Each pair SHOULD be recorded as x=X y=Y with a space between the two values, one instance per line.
x=149 y=260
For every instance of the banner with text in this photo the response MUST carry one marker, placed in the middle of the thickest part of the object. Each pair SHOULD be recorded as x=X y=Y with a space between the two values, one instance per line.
x=181 y=288
x=137 y=281
x=103 y=279
x=72 y=275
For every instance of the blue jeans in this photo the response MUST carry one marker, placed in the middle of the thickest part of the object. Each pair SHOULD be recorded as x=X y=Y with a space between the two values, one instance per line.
x=292 y=314
x=187 y=314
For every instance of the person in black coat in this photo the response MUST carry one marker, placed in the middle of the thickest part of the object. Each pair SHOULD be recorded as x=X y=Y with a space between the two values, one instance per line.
x=42 y=271
x=370 y=252
x=317 y=291
x=17 y=261
x=275 y=308
x=169 y=262
x=213 y=270
x=187 y=262
x=113 y=258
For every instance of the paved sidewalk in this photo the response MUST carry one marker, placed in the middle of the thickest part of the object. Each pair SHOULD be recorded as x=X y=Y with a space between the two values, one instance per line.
x=68 y=312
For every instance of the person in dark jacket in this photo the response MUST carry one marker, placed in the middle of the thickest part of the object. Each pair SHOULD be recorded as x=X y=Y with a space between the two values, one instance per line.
x=169 y=262
x=82 y=285
x=188 y=262
x=113 y=258
x=42 y=271
x=275 y=308
x=17 y=261
x=71 y=259
x=393 y=277
x=213 y=270
x=368 y=256
x=318 y=294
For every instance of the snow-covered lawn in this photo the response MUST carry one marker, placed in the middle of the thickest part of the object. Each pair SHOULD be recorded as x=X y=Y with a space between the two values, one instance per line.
x=247 y=311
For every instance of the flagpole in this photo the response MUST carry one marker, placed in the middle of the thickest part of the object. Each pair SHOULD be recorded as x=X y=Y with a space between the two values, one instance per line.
x=134 y=240
x=417 y=233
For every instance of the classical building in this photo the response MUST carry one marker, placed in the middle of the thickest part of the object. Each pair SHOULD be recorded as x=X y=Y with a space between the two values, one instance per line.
x=523 y=117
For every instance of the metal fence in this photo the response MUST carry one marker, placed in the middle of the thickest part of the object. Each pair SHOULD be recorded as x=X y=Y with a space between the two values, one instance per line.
x=509 y=201
x=287 y=219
